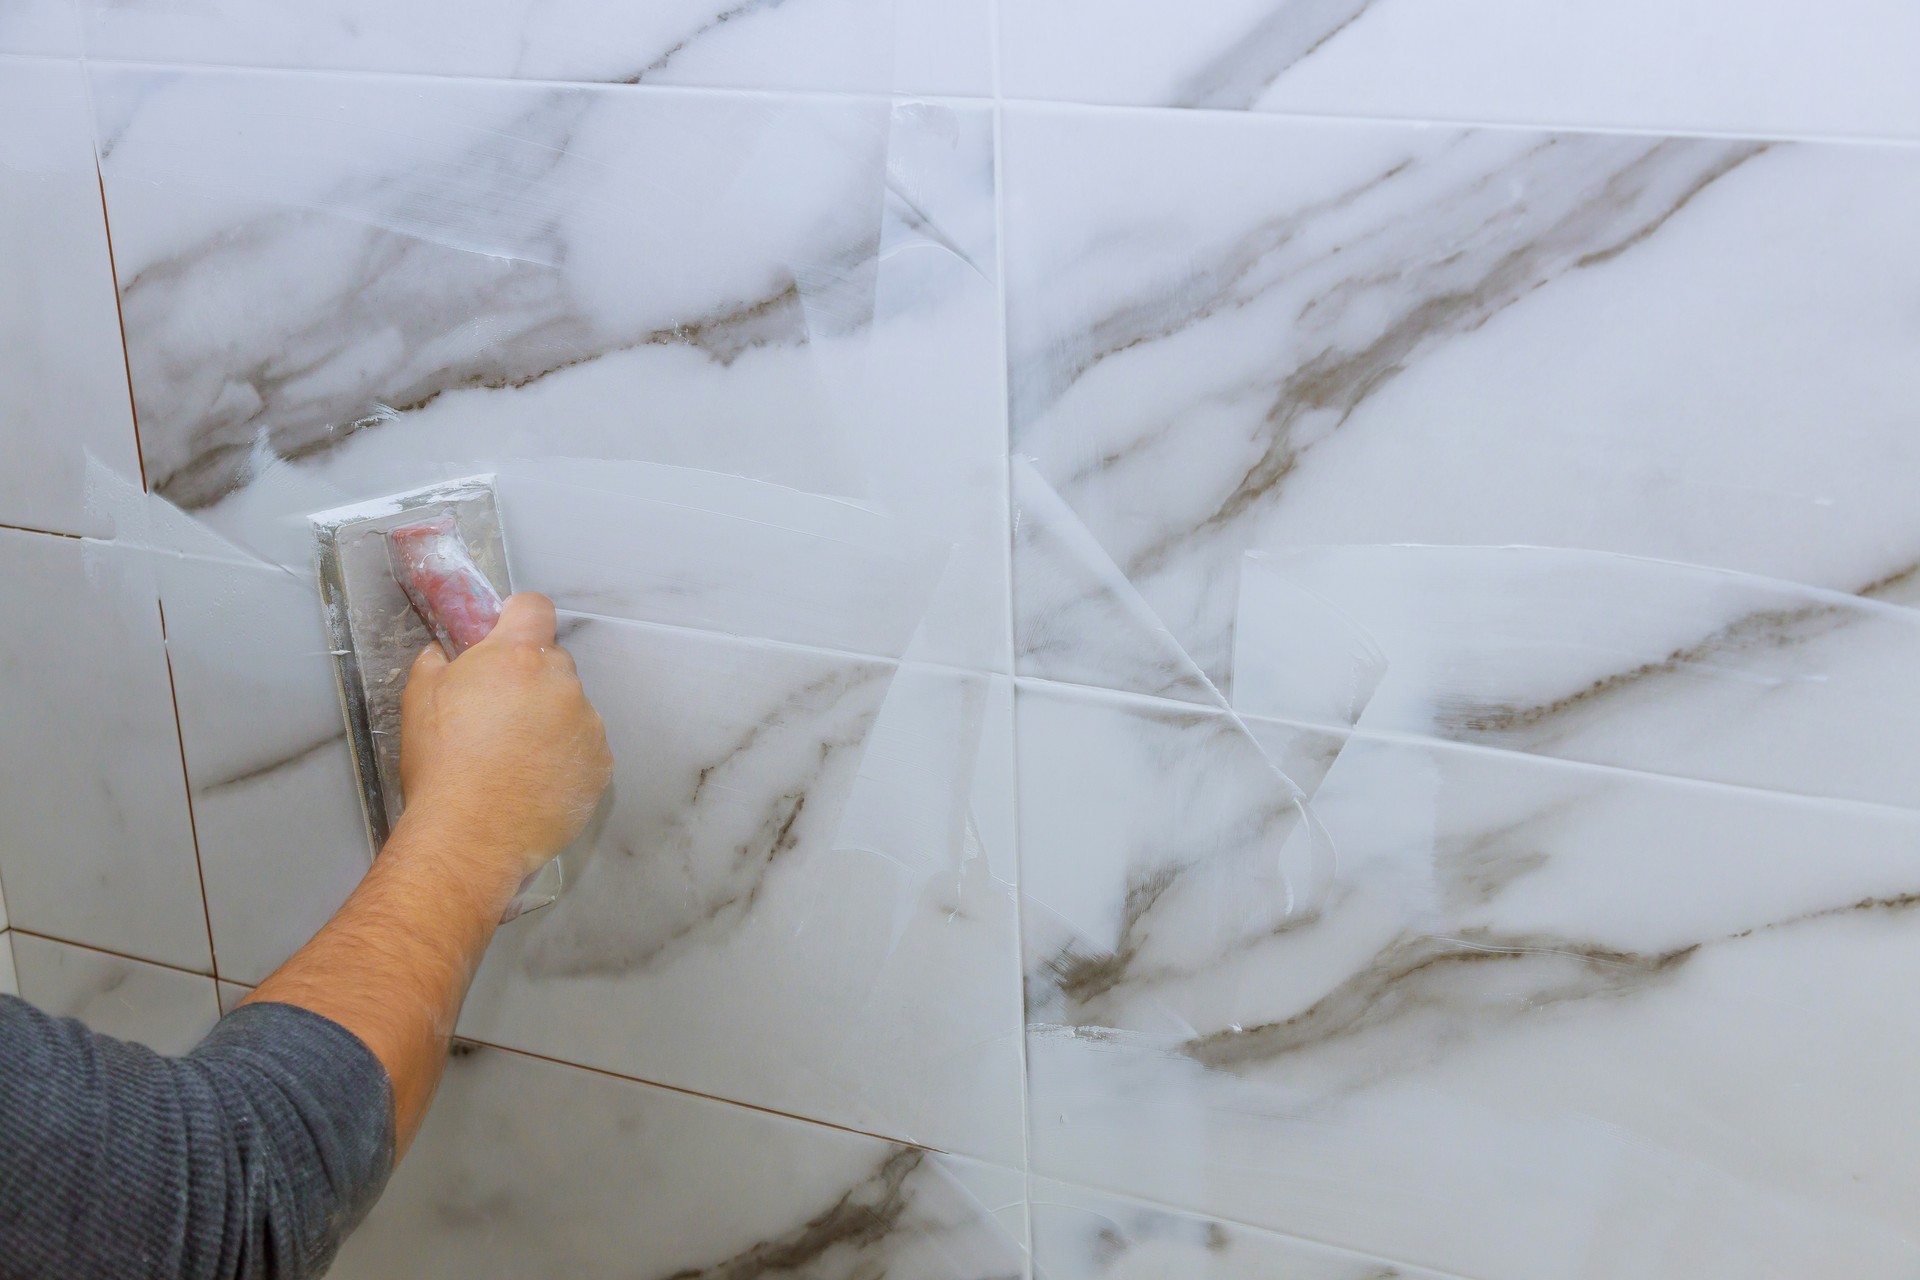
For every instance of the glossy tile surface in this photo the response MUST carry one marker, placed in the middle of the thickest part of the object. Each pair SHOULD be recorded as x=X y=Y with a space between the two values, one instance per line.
x=700 y=455
x=491 y=285
x=1306 y=332
x=1694 y=65
x=874 y=46
x=40 y=27
x=1317 y=686
x=1613 y=660
x=1080 y=1234
x=529 y=1167
x=96 y=844
x=164 y=1009
x=62 y=375
x=1591 y=997
x=808 y=854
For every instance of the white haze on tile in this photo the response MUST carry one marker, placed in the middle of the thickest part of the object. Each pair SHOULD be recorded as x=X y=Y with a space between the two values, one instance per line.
x=1079 y=1234
x=1303 y=332
x=1589 y=996
x=871 y=46
x=528 y=1167
x=561 y=273
x=62 y=374
x=1634 y=663
x=802 y=847
x=1841 y=68
x=1296 y=656
x=96 y=844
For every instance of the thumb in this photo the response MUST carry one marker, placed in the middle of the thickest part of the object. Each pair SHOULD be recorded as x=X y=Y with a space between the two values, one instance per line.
x=427 y=666
x=526 y=618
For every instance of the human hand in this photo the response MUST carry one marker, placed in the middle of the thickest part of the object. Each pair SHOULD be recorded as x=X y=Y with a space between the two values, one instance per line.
x=500 y=745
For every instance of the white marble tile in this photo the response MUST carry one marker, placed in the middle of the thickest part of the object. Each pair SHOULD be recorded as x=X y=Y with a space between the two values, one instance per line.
x=164 y=1009
x=532 y=1168
x=377 y=307
x=733 y=361
x=9 y=980
x=40 y=26
x=806 y=858
x=275 y=805
x=1535 y=1020
x=1840 y=68
x=63 y=386
x=1234 y=332
x=1608 y=659
x=96 y=844
x=916 y=46
x=806 y=852
x=230 y=994
x=1080 y=1234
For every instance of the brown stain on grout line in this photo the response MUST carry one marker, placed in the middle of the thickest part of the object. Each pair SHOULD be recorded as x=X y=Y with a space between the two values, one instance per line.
x=464 y=1045
x=140 y=457
x=186 y=789
x=710 y=1097
x=45 y=533
x=107 y=951
x=120 y=317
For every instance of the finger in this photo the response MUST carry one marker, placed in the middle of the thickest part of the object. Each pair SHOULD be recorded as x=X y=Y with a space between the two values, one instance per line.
x=526 y=618
x=426 y=669
x=427 y=663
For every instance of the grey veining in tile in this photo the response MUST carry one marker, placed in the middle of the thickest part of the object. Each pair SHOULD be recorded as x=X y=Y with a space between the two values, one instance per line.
x=801 y=852
x=1700 y=65
x=375 y=307
x=1317 y=331
x=530 y=1167
x=1590 y=997
x=1614 y=660
x=734 y=362
x=874 y=46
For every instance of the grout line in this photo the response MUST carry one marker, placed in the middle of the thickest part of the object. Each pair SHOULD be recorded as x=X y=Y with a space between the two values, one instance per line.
x=1148 y=1202
x=113 y=273
x=1407 y=738
x=37 y=55
x=17 y=927
x=186 y=789
x=997 y=97
x=537 y=1057
x=1005 y=399
x=667 y=1088
x=709 y=1097
x=1404 y=737
x=865 y=97
x=1469 y=123
x=47 y=533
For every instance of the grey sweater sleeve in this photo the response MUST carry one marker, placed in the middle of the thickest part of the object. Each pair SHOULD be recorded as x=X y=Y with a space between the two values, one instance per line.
x=249 y=1158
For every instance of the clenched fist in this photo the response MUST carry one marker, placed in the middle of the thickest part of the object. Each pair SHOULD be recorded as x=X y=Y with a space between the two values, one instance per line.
x=501 y=746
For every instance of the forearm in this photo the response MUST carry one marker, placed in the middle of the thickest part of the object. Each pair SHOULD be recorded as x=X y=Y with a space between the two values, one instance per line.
x=394 y=963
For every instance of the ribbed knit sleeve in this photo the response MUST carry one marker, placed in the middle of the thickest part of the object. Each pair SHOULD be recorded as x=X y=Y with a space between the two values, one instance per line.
x=249 y=1158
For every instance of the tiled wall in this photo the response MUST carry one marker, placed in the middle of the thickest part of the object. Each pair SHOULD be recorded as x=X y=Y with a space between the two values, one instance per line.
x=1243 y=639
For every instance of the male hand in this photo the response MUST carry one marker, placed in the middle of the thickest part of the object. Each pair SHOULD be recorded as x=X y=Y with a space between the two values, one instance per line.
x=501 y=744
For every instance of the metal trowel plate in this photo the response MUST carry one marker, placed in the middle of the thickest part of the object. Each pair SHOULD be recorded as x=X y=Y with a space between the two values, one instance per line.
x=375 y=632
